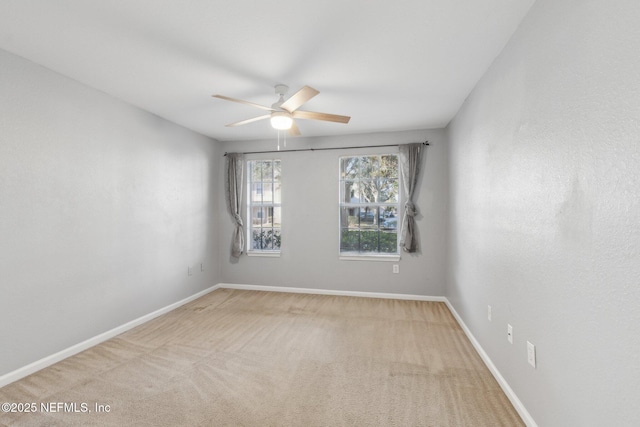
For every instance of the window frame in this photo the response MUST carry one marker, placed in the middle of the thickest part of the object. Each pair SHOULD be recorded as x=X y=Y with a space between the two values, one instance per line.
x=369 y=256
x=272 y=205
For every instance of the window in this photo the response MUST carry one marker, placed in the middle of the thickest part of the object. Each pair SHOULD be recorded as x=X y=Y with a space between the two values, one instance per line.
x=369 y=205
x=264 y=210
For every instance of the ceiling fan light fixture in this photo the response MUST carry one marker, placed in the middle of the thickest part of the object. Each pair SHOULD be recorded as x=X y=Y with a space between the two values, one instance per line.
x=283 y=111
x=281 y=120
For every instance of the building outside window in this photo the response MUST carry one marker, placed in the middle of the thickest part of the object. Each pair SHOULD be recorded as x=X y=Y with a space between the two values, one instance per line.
x=369 y=205
x=264 y=205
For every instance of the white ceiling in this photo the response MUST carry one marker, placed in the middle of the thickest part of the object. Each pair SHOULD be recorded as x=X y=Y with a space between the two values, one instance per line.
x=400 y=65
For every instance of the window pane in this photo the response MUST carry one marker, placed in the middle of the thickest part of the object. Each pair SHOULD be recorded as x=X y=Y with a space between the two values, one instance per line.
x=350 y=240
x=257 y=216
x=349 y=167
x=389 y=241
x=256 y=192
x=349 y=217
x=389 y=166
x=267 y=192
x=369 y=241
x=368 y=217
x=256 y=171
x=275 y=238
x=267 y=220
x=388 y=218
x=350 y=192
x=277 y=215
x=369 y=191
x=277 y=172
x=387 y=190
x=277 y=192
x=368 y=166
x=267 y=171
x=256 y=239
x=277 y=185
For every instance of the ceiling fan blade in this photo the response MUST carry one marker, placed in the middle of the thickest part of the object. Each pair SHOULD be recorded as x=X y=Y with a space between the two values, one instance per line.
x=244 y=122
x=294 y=131
x=226 y=98
x=311 y=115
x=299 y=98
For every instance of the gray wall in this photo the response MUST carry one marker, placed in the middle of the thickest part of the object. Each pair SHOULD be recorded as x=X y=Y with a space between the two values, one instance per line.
x=545 y=211
x=102 y=208
x=309 y=256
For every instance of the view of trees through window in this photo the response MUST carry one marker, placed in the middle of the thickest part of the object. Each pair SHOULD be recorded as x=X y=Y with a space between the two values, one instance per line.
x=369 y=204
x=264 y=205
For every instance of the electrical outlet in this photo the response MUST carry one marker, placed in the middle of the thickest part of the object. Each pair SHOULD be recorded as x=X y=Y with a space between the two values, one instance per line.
x=202 y=266
x=396 y=268
x=489 y=313
x=510 y=333
x=189 y=271
x=531 y=354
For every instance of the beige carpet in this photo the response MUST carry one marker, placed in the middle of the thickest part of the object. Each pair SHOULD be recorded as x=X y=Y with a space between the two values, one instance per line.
x=246 y=358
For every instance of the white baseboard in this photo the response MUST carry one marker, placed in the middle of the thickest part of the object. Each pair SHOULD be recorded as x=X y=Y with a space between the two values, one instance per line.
x=330 y=292
x=75 y=349
x=522 y=411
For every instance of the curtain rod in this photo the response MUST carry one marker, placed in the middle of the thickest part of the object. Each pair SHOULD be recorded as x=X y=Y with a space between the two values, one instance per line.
x=323 y=149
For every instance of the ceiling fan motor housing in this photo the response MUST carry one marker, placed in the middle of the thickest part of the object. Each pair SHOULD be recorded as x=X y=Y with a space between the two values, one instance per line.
x=281 y=89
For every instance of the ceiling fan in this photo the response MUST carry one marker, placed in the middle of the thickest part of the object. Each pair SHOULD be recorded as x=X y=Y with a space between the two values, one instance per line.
x=283 y=112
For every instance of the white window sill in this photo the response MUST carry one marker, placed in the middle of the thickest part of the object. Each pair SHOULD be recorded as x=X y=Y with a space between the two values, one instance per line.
x=391 y=258
x=266 y=254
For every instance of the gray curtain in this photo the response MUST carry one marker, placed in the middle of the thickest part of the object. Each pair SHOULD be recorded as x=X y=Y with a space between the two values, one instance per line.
x=410 y=160
x=235 y=166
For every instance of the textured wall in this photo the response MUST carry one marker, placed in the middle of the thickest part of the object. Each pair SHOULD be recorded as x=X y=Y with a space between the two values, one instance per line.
x=102 y=208
x=545 y=211
x=310 y=221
